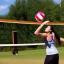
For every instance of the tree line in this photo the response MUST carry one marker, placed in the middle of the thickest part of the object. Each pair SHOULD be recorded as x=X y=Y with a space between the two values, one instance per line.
x=26 y=10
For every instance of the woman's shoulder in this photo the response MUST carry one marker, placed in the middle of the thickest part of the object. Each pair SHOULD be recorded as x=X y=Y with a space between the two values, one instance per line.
x=53 y=34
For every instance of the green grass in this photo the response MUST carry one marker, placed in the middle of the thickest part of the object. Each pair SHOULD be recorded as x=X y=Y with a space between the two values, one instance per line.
x=39 y=53
x=28 y=57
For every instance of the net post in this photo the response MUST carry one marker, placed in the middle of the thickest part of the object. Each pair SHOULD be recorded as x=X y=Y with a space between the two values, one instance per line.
x=60 y=3
x=14 y=41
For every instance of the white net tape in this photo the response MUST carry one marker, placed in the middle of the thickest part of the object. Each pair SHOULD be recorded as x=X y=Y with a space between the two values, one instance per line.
x=32 y=44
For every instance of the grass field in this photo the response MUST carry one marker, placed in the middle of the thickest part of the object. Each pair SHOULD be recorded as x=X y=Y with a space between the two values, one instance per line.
x=28 y=57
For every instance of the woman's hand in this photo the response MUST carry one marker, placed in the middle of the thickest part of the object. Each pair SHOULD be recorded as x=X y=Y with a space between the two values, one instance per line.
x=61 y=39
x=45 y=22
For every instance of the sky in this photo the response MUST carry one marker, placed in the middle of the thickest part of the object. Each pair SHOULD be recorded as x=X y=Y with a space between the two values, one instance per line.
x=5 y=4
x=57 y=1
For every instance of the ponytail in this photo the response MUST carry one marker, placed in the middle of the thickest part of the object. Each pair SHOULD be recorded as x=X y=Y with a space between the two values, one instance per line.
x=56 y=35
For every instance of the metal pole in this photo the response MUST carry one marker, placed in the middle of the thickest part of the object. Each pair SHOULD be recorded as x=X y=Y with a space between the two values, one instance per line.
x=14 y=41
x=60 y=3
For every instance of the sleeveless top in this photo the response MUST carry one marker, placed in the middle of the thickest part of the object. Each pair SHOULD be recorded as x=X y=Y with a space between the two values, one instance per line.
x=50 y=47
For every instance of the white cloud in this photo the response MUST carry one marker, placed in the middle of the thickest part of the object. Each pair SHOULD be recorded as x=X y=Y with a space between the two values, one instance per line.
x=7 y=0
x=2 y=7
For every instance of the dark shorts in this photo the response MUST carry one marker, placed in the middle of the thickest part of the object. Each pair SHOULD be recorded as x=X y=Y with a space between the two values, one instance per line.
x=52 y=59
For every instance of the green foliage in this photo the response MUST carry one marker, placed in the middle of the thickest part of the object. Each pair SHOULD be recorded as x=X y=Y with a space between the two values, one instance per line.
x=26 y=10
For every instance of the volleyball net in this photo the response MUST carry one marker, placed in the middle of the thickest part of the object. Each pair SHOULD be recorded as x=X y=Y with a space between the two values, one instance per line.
x=30 y=44
x=24 y=36
x=29 y=22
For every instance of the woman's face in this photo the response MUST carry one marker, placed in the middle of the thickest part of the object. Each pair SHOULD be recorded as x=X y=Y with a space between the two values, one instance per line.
x=48 y=29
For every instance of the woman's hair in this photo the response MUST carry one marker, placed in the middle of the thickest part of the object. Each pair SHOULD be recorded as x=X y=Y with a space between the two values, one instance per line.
x=56 y=35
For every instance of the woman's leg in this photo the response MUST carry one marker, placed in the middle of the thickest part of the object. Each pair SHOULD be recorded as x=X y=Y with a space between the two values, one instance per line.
x=56 y=59
x=48 y=59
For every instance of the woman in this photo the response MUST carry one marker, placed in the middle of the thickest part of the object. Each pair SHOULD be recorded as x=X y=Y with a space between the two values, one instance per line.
x=52 y=56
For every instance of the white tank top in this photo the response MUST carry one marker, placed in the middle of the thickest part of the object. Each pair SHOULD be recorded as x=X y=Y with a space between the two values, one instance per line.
x=50 y=47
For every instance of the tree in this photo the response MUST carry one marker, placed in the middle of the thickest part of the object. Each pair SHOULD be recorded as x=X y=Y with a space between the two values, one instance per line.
x=17 y=11
x=26 y=10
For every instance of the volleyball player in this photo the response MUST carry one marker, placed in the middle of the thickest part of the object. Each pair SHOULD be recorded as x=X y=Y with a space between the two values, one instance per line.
x=52 y=55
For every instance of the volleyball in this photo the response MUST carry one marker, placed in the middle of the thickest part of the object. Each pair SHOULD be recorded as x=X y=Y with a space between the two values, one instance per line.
x=39 y=16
